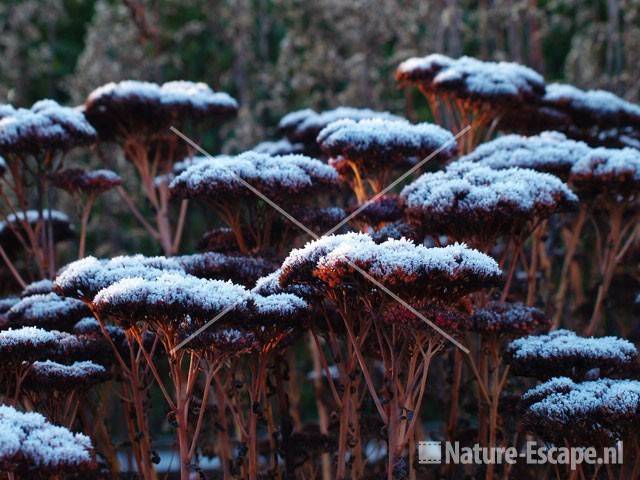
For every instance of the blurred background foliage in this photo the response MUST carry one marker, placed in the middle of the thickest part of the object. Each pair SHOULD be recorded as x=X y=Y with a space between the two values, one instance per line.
x=275 y=56
x=279 y=55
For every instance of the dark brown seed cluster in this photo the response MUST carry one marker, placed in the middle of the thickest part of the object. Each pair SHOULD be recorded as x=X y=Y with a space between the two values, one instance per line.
x=509 y=319
x=239 y=269
x=45 y=127
x=89 y=182
x=487 y=83
x=48 y=311
x=143 y=109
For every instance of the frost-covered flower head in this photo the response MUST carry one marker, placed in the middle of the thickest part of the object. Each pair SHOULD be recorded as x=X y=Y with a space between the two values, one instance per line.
x=592 y=413
x=377 y=143
x=474 y=202
x=29 y=344
x=469 y=78
x=89 y=182
x=425 y=274
x=305 y=125
x=84 y=278
x=54 y=220
x=511 y=319
x=608 y=172
x=39 y=287
x=48 y=311
x=45 y=127
x=30 y=445
x=47 y=376
x=239 y=269
x=283 y=178
x=279 y=147
x=133 y=108
x=563 y=353
x=592 y=107
x=170 y=298
x=550 y=152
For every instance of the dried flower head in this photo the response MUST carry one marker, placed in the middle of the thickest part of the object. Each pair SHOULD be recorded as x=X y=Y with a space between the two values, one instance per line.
x=305 y=125
x=84 y=278
x=550 y=152
x=28 y=344
x=282 y=178
x=48 y=311
x=589 y=108
x=52 y=376
x=170 y=298
x=607 y=172
x=374 y=143
x=32 y=447
x=58 y=222
x=471 y=202
x=510 y=319
x=279 y=147
x=593 y=413
x=424 y=274
x=134 y=108
x=88 y=182
x=239 y=269
x=39 y=287
x=563 y=353
x=45 y=127
x=471 y=79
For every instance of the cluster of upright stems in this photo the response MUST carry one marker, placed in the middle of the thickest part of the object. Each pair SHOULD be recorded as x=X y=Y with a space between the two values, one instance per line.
x=362 y=276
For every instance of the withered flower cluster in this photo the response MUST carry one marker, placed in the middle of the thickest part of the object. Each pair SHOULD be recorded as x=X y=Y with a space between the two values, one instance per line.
x=590 y=413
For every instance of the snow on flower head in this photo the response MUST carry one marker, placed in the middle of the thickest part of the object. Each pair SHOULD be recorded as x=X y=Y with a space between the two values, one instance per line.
x=277 y=177
x=598 y=412
x=550 y=152
x=589 y=107
x=466 y=77
x=469 y=201
x=305 y=125
x=607 y=171
x=48 y=311
x=378 y=143
x=86 y=181
x=279 y=147
x=53 y=376
x=84 y=278
x=563 y=353
x=39 y=287
x=12 y=227
x=28 y=344
x=45 y=127
x=169 y=297
x=419 y=271
x=29 y=445
x=514 y=319
x=133 y=107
